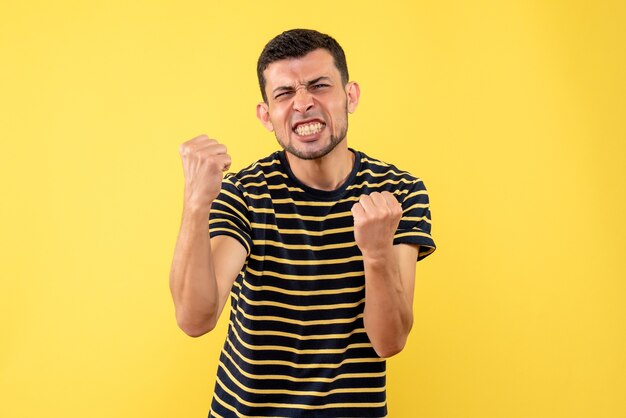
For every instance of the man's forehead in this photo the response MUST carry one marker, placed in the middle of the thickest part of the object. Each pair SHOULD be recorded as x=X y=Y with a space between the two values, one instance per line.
x=315 y=64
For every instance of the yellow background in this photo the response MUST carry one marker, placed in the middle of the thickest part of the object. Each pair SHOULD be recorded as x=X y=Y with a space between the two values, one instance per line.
x=512 y=112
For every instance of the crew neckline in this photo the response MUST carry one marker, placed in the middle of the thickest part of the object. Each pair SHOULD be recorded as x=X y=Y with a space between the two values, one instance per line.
x=322 y=194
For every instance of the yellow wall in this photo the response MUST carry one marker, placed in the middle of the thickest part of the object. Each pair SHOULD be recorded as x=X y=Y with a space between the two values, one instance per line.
x=512 y=112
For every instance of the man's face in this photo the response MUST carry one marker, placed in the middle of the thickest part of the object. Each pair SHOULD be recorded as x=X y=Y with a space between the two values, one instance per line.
x=307 y=104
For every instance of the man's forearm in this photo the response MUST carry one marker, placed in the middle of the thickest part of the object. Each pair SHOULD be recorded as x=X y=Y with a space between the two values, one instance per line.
x=192 y=276
x=388 y=315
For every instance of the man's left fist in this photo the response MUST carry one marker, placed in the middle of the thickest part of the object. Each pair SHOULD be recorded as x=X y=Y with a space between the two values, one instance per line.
x=376 y=219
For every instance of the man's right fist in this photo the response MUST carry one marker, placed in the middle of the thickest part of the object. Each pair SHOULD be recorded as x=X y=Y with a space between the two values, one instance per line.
x=204 y=161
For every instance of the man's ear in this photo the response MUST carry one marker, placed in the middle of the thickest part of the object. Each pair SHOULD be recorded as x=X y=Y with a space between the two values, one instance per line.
x=353 y=92
x=263 y=114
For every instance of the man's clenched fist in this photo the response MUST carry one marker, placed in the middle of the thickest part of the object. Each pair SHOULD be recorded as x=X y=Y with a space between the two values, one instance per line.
x=376 y=219
x=204 y=161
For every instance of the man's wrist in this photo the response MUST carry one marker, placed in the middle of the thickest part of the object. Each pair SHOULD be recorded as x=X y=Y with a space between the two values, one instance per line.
x=196 y=212
x=378 y=255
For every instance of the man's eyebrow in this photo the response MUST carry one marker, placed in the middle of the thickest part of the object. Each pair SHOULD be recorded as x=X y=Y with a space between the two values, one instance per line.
x=282 y=88
x=318 y=79
x=309 y=83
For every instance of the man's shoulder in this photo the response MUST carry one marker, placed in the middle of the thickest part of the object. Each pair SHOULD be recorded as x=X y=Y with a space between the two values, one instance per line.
x=379 y=168
x=256 y=171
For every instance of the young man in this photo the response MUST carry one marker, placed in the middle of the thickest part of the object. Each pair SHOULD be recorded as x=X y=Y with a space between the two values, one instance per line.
x=316 y=245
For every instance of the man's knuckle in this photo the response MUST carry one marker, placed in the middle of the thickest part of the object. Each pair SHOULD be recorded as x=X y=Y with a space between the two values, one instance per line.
x=186 y=149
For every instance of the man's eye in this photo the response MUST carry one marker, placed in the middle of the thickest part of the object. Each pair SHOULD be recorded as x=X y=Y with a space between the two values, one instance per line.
x=282 y=94
x=319 y=86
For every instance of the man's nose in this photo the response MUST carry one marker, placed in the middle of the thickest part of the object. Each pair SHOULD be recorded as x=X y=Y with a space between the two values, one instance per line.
x=303 y=100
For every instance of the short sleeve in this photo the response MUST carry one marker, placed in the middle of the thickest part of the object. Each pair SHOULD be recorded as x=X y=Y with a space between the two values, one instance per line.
x=415 y=224
x=229 y=214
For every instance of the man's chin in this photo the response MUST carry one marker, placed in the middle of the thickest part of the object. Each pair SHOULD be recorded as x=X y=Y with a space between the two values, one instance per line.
x=314 y=152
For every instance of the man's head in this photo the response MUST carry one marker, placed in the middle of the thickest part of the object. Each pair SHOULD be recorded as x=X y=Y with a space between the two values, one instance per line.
x=307 y=97
x=297 y=43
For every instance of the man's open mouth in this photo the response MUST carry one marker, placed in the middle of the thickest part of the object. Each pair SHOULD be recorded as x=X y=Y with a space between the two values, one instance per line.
x=309 y=128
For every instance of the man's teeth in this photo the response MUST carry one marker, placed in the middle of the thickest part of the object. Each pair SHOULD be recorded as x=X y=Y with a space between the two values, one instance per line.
x=309 y=128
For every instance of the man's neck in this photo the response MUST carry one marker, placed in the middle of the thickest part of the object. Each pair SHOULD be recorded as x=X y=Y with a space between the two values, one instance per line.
x=326 y=173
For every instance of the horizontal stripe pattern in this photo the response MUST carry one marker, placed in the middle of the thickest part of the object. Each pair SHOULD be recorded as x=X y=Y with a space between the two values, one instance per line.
x=296 y=343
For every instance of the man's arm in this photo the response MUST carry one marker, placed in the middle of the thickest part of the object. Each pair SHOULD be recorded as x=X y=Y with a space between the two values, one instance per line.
x=389 y=272
x=389 y=285
x=198 y=284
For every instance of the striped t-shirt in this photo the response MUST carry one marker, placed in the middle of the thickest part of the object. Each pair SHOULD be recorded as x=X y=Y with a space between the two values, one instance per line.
x=296 y=345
